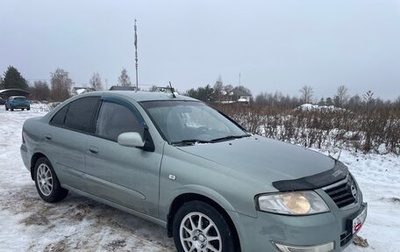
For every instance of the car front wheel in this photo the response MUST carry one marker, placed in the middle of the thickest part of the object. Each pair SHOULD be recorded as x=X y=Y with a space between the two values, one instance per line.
x=199 y=227
x=47 y=183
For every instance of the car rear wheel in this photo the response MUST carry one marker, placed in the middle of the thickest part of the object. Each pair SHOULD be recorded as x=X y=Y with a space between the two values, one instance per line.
x=199 y=227
x=47 y=183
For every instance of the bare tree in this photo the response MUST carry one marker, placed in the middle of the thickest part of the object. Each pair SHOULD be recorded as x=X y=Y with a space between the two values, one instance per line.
x=60 y=85
x=218 y=87
x=124 y=79
x=40 y=91
x=95 y=82
x=397 y=103
x=341 y=96
x=306 y=94
x=368 y=121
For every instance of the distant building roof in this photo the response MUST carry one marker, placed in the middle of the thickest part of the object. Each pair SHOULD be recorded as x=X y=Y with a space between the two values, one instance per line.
x=81 y=90
x=13 y=92
x=240 y=92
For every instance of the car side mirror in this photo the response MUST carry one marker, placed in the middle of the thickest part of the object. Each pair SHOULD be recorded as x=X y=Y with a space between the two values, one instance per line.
x=131 y=139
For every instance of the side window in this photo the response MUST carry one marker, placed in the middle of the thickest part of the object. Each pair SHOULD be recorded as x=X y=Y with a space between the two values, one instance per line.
x=59 y=118
x=115 y=119
x=81 y=113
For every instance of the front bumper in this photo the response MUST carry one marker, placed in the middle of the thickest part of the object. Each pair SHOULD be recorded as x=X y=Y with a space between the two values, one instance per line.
x=330 y=231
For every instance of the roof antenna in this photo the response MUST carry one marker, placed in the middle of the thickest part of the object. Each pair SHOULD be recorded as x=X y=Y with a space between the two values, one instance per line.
x=136 y=58
x=172 y=90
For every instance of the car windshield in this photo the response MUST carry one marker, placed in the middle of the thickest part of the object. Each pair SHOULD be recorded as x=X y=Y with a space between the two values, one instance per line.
x=191 y=122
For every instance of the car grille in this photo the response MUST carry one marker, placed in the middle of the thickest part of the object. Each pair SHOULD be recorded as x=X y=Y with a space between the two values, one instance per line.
x=343 y=193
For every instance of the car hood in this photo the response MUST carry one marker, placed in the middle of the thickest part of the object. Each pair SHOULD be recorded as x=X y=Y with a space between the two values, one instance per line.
x=268 y=160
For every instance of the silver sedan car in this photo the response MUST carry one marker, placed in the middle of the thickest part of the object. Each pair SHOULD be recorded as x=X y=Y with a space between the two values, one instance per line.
x=179 y=163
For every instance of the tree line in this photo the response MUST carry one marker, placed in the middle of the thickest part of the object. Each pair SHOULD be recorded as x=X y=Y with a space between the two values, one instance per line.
x=369 y=128
x=220 y=93
x=60 y=86
x=360 y=122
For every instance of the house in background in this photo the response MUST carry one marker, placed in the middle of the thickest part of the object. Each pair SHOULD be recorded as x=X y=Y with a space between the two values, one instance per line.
x=244 y=97
x=81 y=90
x=236 y=95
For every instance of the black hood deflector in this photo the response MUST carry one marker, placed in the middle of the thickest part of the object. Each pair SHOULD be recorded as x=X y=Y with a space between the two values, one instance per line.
x=337 y=173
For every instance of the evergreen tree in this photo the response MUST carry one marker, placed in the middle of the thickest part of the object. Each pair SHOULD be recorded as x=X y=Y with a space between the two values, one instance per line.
x=202 y=93
x=14 y=79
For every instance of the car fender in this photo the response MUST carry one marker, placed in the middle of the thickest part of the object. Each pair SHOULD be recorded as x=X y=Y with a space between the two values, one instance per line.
x=203 y=191
x=199 y=192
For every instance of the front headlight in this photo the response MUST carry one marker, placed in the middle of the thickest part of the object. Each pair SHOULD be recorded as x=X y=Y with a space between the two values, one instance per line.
x=292 y=203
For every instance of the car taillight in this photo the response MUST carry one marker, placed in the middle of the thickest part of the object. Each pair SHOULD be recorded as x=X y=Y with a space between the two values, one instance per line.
x=23 y=137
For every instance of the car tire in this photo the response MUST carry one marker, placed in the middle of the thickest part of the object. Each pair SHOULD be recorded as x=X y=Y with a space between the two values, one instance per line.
x=198 y=226
x=12 y=109
x=28 y=109
x=47 y=183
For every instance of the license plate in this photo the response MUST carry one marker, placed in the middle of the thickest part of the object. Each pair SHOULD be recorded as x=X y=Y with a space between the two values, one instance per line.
x=358 y=221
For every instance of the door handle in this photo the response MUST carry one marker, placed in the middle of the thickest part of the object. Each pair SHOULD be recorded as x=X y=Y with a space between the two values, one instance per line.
x=48 y=137
x=93 y=150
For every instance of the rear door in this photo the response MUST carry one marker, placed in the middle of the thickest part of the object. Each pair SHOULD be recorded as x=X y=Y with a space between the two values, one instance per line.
x=65 y=140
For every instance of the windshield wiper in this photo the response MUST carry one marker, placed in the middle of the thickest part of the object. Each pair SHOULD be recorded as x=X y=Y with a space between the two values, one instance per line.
x=189 y=142
x=227 y=138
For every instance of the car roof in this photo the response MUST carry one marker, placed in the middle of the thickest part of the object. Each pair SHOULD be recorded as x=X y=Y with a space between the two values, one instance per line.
x=22 y=97
x=141 y=96
x=135 y=96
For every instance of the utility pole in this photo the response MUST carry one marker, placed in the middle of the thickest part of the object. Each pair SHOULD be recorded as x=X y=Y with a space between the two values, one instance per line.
x=136 y=59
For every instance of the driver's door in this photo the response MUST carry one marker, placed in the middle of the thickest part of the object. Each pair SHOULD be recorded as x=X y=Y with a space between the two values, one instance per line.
x=127 y=176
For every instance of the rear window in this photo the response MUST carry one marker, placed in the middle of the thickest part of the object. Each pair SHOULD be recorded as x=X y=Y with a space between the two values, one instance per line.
x=78 y=115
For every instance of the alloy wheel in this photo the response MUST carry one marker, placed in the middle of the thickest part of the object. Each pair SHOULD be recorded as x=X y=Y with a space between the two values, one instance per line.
x=44 y=179
x=199 y=233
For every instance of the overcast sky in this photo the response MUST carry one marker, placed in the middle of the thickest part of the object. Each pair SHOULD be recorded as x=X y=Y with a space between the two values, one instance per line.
x=279 y=45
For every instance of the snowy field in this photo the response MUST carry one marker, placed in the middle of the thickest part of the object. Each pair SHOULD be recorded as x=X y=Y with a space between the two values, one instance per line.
x=78 y=224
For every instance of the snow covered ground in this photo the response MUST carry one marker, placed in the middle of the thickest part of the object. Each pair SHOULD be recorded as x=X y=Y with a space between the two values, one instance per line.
x=78 y=224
